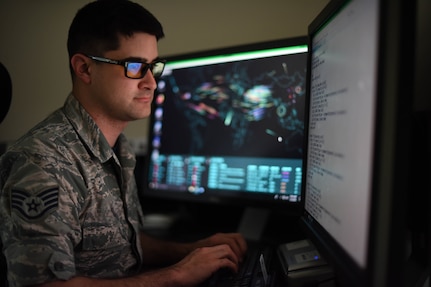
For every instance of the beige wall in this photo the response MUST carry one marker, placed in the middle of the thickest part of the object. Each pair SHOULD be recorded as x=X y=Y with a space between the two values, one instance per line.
x=33 y=37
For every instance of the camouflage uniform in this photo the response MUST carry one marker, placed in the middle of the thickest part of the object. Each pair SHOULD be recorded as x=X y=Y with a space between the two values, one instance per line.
x=69 y=204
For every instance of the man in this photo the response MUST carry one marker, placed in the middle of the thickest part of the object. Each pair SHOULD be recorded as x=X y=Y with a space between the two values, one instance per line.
x=69 y=208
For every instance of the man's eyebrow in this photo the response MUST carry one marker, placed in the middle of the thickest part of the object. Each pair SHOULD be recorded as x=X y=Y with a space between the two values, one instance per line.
x=137 y=59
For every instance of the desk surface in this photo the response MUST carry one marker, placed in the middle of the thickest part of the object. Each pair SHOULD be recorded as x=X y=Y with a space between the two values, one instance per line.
x=184 y=226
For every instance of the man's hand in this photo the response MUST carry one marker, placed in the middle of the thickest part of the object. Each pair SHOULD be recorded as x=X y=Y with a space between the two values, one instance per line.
x=235 y=240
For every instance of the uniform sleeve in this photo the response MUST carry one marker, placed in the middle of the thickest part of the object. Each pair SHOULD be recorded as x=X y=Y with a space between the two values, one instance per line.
x=38 y=224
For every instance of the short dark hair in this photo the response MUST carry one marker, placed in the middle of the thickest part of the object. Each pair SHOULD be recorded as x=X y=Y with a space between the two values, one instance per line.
x=97 y=26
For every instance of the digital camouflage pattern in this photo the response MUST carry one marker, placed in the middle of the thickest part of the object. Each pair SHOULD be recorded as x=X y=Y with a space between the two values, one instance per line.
x=68 y=204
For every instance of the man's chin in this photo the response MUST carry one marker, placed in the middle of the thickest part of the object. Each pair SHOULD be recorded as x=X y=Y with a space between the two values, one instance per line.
x=140 y=116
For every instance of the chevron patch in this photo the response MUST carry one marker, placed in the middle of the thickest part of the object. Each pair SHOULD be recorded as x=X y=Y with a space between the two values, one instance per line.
x=34 y=206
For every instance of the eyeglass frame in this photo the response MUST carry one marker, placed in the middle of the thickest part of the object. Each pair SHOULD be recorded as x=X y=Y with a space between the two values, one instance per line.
x=125 y=63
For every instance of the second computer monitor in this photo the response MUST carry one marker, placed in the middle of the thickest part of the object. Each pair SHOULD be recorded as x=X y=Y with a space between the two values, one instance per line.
x=228 y=126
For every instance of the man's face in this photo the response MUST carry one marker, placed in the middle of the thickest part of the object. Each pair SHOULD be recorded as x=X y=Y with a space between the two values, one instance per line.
x=116 y=98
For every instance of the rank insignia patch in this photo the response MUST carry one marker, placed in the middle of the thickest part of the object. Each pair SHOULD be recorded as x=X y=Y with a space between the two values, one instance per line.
x=34 y=206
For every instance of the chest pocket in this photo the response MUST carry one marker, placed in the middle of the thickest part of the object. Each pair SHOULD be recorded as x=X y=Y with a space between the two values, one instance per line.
x=105 y=225
x=106 y=246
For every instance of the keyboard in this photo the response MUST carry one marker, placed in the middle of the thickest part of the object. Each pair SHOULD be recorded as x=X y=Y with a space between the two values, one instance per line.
x=250 y=273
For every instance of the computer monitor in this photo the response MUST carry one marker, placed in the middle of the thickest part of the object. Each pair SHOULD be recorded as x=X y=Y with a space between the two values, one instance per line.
x=358 y=174
x=227 y=128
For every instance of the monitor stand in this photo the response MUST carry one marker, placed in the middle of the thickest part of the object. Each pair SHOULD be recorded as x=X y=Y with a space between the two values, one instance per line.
x=253 y=222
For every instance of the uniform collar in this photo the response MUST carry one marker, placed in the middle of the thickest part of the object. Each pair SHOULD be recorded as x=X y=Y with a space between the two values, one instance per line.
x=89 y=132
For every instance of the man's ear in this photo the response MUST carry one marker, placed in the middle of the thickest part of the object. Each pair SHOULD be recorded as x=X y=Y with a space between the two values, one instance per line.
x=81 y=66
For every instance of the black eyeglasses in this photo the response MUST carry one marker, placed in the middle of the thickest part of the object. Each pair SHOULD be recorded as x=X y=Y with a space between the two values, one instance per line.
x=135 y=69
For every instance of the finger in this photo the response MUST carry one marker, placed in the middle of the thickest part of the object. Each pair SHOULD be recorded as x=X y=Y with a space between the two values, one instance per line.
x=228 y=258
x=224 y=251
x=227 y=263
x=238 y=244
x=242 y=243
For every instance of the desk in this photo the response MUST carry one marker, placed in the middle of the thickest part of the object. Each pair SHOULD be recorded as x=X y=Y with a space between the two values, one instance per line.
x=185 y=225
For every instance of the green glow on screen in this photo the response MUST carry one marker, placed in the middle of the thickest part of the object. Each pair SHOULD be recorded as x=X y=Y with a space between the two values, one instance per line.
x=202 y=61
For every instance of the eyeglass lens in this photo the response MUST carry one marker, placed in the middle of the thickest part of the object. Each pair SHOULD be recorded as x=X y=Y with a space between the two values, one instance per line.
x=138 y=70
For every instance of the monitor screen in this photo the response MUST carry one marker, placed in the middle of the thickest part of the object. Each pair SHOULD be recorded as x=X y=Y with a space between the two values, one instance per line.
x=356 y=177
x=228 y=126
x=341 y=126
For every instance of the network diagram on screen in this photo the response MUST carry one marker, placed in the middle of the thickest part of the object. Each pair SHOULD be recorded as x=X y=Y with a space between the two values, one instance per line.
x=244 y=111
